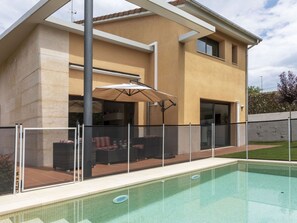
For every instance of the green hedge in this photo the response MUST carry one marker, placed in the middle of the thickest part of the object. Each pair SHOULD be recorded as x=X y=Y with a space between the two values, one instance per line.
x=267 y=103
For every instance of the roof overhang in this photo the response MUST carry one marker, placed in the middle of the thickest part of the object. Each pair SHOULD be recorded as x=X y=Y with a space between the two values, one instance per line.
x=99 y=35
x=221 y=23
x=177 y=15
x=15 y=34
x=186 y=37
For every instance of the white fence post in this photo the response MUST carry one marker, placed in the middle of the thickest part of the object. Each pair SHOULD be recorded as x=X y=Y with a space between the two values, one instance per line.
x=247 y=140
x=163 y=145
x=289 y=137
x=21 y=159
x=213 y=141
x=128 y=147
x=190 y=138
x=75 y=151
x=78 y=152
x=82 y=152
x=15 y=157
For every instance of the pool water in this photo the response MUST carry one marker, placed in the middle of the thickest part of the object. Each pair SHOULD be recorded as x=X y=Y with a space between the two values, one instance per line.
x=234 y=193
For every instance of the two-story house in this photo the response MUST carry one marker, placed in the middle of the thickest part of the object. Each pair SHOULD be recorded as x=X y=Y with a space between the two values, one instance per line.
x=208 y=74
x=205 y=67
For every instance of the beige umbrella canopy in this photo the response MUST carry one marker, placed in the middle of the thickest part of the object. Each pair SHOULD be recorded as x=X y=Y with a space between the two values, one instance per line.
x=137 y=92
x=77 y=106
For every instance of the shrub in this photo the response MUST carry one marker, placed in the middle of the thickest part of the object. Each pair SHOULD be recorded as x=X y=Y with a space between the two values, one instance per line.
x=267 y=103
x=6 y=173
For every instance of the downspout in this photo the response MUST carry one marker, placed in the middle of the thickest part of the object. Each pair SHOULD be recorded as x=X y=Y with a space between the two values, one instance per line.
x=247 y=81
x=148 y=111
x=247 y=95
x=155 y=45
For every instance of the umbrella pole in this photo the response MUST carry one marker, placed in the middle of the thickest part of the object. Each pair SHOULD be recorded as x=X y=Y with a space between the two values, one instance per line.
x=163 y=112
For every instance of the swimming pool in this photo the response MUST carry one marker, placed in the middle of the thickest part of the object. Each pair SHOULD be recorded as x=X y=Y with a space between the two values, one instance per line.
x=242 y=192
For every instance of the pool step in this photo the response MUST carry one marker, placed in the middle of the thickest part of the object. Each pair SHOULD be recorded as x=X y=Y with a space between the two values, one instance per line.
x=61 y=221
x=85 y=221
x=35 y=220
x=38 y=220
x=6 y=221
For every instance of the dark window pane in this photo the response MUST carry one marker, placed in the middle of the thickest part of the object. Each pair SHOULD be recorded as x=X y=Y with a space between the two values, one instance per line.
x=201 y=46
x=209 y=50
x=222 y=114
x=215 y=50
x=208 y=46
x=206 y=113
x=234 y=54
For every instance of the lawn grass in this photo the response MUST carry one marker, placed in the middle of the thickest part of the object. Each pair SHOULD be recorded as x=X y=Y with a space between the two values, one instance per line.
x=280 y=151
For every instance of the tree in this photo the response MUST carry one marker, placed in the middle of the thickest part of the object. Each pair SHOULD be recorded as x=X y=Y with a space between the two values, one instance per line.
x=253 y=90
x=287 y=89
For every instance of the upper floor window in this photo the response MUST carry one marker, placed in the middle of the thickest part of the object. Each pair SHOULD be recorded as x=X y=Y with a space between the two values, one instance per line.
x=234 y=54
x=208 y=46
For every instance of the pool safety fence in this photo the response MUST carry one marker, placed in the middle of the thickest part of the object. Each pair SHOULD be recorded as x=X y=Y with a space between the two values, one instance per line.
x=48 y=157
x=34 y=158
x=8 y=159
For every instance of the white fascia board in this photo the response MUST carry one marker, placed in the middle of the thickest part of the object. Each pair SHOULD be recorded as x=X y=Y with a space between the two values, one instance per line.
x=188 y=36
x=175 y=14
x=16 y=33
x=99 y=35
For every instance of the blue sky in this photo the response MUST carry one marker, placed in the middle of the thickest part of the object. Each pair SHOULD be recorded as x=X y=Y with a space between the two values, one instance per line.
x=270 y=4
x=273 y=20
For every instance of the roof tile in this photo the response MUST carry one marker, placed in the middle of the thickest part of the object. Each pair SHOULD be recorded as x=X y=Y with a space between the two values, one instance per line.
x=128 y=12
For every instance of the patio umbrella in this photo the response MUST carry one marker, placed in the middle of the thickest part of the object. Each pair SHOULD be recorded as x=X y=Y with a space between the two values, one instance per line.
x=134 y=92
x=77 y=106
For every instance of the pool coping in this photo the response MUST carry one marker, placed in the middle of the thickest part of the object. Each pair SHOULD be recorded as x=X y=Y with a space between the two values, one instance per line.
x=37 y=198
x=274 y=162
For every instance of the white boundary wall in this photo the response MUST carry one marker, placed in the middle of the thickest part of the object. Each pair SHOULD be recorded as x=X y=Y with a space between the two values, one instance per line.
x=272 y=116
x=271 y=131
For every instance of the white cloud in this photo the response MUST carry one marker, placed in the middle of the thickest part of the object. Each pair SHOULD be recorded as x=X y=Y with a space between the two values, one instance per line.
x=277 y=26
x=101 y=7
x=11 y=10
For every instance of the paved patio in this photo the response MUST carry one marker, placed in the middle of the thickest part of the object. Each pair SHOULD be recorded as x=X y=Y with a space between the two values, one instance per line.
x=37 y=177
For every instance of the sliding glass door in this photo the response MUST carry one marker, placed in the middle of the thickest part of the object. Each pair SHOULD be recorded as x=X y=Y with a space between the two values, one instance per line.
x=218 y=113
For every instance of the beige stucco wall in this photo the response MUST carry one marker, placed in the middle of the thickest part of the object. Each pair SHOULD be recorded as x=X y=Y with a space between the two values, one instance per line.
x=110 y=57
x=183 y=72
x=187 y=74
x=170 y=67
x=214 y=79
